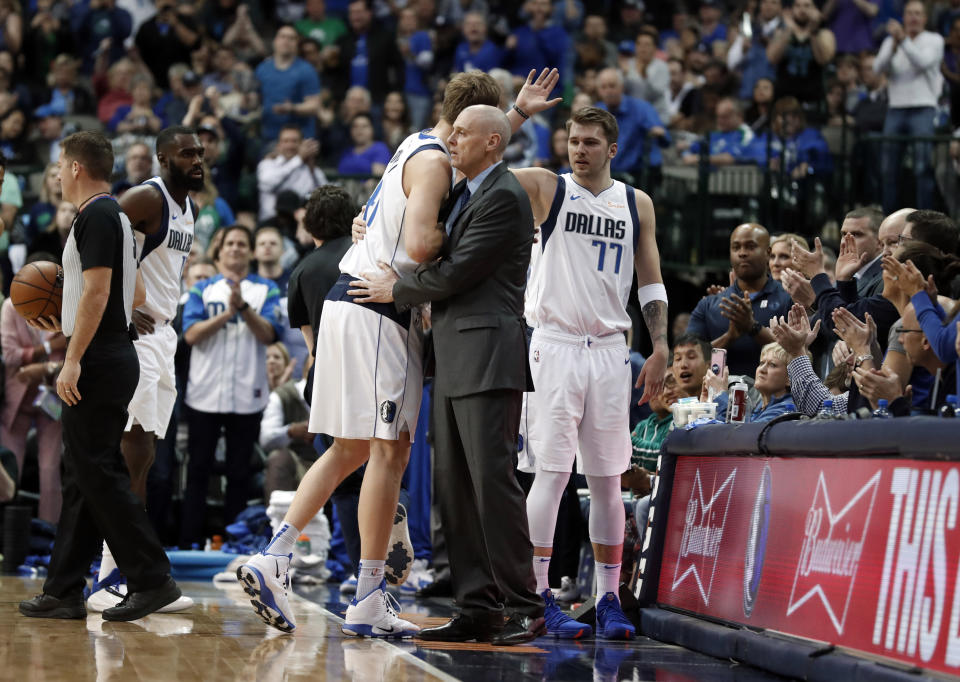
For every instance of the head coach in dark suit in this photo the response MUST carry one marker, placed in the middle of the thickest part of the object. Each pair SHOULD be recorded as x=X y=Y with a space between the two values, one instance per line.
x=481 y=372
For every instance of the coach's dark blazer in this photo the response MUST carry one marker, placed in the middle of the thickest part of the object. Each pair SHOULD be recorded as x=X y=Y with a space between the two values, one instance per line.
x=477 y=290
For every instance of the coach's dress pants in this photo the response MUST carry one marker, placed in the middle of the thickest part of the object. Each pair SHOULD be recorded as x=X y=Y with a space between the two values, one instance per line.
x=97 y=501
x=482 y=505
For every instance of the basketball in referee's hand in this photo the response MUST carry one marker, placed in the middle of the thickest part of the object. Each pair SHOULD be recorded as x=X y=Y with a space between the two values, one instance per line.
x=37 y=290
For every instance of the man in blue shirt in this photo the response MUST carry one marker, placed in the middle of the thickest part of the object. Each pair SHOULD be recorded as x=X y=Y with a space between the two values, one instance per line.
x=539 y=43
x=289 y=87
x=729 y=143
x=737 y=317
x=637 y=120
x=476 y=51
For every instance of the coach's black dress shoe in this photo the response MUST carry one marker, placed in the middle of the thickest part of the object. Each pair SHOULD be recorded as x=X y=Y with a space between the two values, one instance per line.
x=463 y=628
x=45 y=606
x=520 y=630
x=144 y=602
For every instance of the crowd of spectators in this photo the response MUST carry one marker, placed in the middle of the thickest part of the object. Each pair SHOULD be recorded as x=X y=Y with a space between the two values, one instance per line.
x=289 y=96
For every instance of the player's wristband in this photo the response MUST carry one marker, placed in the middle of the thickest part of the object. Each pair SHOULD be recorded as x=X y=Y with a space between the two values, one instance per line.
x=651 y=292
x=522 y=113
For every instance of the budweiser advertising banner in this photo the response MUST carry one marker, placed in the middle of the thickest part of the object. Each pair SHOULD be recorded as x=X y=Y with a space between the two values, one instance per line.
x=862 y=553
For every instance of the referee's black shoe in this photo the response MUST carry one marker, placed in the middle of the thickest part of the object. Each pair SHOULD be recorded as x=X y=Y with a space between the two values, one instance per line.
x=45 y=606
x=144 y=602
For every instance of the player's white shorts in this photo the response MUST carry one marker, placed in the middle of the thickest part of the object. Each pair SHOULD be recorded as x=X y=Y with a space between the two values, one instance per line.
x=156 y=393
x=368 y=377
x=580 y=409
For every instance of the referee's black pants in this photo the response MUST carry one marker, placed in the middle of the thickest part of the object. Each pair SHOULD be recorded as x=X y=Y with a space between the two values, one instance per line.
x=97 y=501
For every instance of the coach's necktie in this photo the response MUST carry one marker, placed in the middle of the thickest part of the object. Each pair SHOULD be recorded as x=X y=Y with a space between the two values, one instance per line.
x=455 y=213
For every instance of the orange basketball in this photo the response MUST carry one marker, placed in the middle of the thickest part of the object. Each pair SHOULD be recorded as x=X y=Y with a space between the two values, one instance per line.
x=37 y=290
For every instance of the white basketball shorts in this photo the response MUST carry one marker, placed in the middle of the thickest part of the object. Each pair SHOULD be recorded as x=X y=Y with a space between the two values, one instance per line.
x=156 y=393
x=580 y=410
x=368 y=376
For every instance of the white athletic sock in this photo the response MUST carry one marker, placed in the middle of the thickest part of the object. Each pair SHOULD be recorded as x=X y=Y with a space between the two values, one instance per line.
x=284 y=541
x=541 y=567
x=369 y=577
x=107 y=563
x=608 y=578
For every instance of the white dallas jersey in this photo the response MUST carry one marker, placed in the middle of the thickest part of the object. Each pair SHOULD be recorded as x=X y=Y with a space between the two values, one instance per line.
x=582 y=269
x=163 y=255
x=384 y=211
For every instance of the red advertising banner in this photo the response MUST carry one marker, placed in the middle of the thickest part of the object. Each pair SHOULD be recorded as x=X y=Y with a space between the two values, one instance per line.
x=862 y=553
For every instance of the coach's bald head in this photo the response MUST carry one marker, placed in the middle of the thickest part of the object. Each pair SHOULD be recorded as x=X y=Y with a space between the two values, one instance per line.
x=480 y=136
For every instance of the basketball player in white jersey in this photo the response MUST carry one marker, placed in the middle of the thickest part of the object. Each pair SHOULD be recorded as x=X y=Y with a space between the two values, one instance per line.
x=368 y=366
x=162 y=215
x=594 y=231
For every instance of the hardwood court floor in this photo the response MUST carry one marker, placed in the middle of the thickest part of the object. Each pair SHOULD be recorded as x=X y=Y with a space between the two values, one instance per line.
x=221 y=639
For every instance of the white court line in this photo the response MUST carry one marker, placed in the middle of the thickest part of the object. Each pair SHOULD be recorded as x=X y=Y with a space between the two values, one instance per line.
x=405 y=655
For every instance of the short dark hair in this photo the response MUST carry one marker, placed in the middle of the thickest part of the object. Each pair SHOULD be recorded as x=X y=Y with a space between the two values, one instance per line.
x=596 y=116
x=689 y=339
x=361 y=114
x=872 y=213
x=92 y=150
x=267 y=228
x=330 y=211
x=169 y=135
x=934 y=228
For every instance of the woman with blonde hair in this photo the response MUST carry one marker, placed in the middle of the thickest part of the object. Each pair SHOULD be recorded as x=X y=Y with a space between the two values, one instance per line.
x=780 y=252
x=771 y=381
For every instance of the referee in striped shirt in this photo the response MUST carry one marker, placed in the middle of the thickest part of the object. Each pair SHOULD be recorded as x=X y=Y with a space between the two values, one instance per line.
x=98 y=379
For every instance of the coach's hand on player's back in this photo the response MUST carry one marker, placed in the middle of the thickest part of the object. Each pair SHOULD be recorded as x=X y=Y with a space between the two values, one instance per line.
x=143 y=322
x=375 y=287
x=67 y=382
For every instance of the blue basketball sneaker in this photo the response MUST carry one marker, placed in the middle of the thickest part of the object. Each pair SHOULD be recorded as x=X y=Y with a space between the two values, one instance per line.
x=612 y=623
x=559 y=624
x=265 y=578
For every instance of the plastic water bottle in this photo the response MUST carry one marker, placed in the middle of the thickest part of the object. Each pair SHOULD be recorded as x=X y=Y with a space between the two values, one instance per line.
x=949 y=410
x=826 y=412
x=303 y=545
x=882 y=412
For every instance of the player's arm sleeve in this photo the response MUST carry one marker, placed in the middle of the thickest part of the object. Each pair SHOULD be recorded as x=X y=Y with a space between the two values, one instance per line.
x=476 y=255
x=272 y=313
x=193 y=310
x=273 y=432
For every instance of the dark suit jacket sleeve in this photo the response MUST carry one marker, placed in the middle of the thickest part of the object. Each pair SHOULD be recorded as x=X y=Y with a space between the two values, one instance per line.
x=829 y=299
x=492 y=226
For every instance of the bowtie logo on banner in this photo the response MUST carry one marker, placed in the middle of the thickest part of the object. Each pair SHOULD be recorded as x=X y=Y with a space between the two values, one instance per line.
x=831 y=550
x=702 y=535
